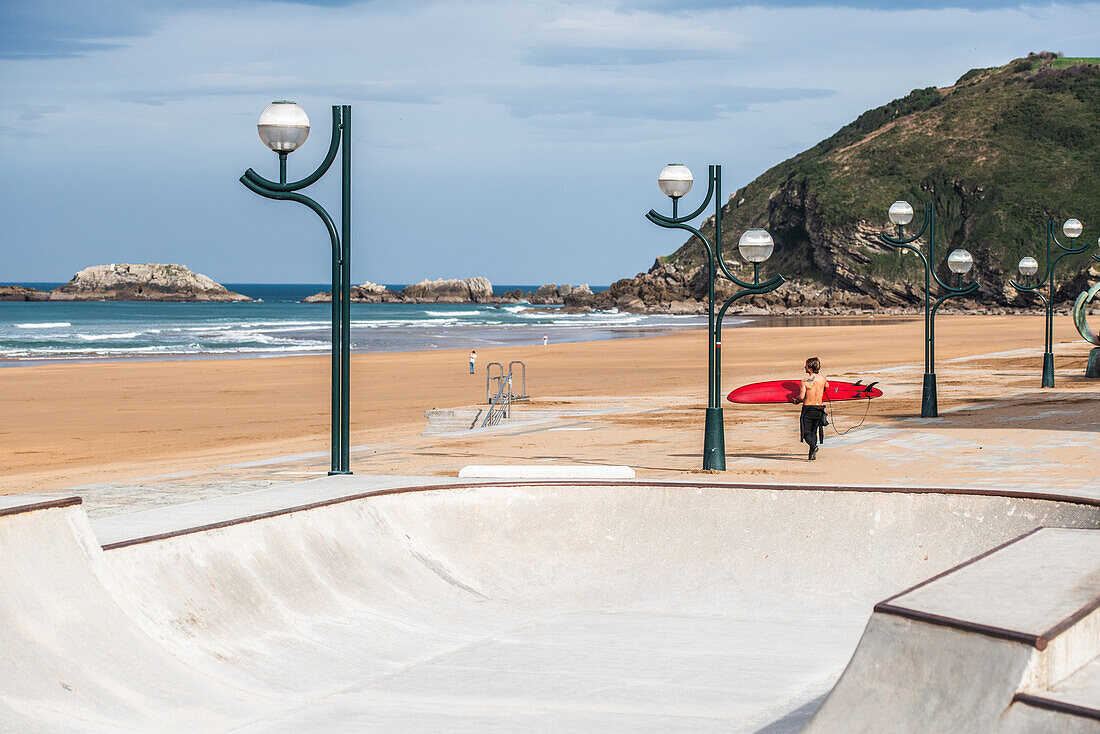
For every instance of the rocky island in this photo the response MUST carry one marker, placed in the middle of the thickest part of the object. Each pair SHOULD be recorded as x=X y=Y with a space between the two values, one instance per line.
x=444 y=290
x=468 y=290
x=143 y=282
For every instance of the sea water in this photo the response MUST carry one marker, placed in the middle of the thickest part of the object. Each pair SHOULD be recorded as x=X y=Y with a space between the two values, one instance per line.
x=280 y=324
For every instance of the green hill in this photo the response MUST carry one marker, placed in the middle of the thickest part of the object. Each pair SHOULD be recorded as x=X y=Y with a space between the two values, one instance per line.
x=998 y=153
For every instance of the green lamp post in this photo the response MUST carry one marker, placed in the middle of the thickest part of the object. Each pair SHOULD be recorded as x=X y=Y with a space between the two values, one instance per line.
x=283 y=127
x=1028 y=267
x=755 y=246
x=959 y=262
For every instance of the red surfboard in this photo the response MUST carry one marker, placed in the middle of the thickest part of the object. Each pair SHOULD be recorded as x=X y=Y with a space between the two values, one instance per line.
x=783 y=391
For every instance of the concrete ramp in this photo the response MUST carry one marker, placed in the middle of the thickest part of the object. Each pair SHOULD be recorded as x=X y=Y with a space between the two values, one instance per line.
x=519 y=606
x=997 y=635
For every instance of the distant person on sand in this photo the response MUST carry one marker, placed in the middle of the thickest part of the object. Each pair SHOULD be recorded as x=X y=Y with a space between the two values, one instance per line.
x=544 y=339
x=813 y=420
x=473 y=358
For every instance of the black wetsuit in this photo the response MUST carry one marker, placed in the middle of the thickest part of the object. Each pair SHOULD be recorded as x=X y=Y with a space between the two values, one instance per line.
x=812 y=423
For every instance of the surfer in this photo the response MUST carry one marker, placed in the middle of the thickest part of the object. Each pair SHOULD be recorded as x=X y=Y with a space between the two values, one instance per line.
x=812 y=421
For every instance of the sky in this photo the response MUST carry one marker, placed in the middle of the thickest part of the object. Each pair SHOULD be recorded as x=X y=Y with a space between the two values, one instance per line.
x=520 y=141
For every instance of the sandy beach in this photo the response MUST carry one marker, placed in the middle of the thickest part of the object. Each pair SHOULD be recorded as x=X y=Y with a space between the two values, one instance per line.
x=76 y=424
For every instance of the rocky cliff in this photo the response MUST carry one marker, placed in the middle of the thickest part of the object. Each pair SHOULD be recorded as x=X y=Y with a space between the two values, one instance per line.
x=667 y=288
x=998 y=153
x=142 y=282
x=21 y=293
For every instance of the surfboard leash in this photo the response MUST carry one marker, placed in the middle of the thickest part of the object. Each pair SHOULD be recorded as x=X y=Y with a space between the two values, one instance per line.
x=866 y=410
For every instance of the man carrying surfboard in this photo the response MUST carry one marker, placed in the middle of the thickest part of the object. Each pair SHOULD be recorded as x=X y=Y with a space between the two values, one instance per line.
x=812 y=421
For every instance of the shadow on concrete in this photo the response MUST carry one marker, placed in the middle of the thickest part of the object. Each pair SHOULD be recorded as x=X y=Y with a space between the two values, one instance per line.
x=1043 y=411
x=795 y=720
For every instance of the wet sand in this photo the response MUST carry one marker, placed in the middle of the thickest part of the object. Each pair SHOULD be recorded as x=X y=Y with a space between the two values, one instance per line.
x=76 y=424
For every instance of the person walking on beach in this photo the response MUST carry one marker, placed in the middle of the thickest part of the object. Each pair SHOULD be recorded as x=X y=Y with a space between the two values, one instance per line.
x=545 y=339
x=813 y=420
x=473 y=358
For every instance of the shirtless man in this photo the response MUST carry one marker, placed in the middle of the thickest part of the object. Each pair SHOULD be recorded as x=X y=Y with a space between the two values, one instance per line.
x=812 y=396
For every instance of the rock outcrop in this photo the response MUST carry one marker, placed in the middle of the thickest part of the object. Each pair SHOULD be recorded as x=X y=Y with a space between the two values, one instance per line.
x=22 y=293
x=551 y=294
x=544 y=295
x=451 y=290
x=667 y=288
x=143 y=282
x=366 y=293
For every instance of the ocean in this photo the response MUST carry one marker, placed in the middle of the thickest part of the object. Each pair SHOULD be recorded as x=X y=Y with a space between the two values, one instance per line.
x=280 y=324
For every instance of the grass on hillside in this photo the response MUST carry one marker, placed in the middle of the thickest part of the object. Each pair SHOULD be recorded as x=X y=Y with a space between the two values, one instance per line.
x=1066 y=61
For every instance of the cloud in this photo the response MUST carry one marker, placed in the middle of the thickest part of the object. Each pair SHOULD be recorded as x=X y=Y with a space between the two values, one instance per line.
x=232 y=85
x=58 y=29
x=679 y=8
x=563 y=56
x=645 y=100
x=33 y=29
x=34 y=112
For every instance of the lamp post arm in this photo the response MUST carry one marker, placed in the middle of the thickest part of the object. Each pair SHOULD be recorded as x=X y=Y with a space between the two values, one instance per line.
x=751 y=290
x=301 y=199
x=667 y=223
x=1029 y=289
x=333 y=148
x=1025 y=288
x=1034 y=287
x=764 y=287
x=956 y=293
x=1068 y=250
x=656 y=217
x=901 y=241
x=953 y=290
x=903 y=245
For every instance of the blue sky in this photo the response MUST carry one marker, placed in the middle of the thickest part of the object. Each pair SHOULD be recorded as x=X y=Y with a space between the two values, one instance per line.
x=516 y=140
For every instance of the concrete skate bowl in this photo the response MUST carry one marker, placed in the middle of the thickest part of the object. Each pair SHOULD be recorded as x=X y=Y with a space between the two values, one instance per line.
x=532 y=606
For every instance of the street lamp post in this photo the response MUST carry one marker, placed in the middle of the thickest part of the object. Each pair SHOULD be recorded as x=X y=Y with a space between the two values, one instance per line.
x=283 y=127
x=755 y=246
x=959 y=262
x=1028 y=267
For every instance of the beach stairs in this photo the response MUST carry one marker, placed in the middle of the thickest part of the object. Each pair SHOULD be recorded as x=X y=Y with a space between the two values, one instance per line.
x=453 y=420
x=1008 y=642
x=463 y=420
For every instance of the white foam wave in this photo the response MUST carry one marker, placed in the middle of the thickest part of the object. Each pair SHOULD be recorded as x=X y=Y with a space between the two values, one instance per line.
x=108 y=337
x=414 y=323
x=44 y=325
x=164 y=350
x=255 y=325
x=454 y=313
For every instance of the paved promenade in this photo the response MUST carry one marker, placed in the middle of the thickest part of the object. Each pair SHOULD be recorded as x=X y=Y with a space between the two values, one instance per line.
x=997 y=430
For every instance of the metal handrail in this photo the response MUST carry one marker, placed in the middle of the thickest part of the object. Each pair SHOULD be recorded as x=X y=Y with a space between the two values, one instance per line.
x=522 y=395
x=502 y=404
x=489 y=377
x=501 y=377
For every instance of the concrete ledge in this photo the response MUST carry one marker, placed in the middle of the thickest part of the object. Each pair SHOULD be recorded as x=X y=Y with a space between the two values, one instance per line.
x=549 y=471
x=16 y=504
